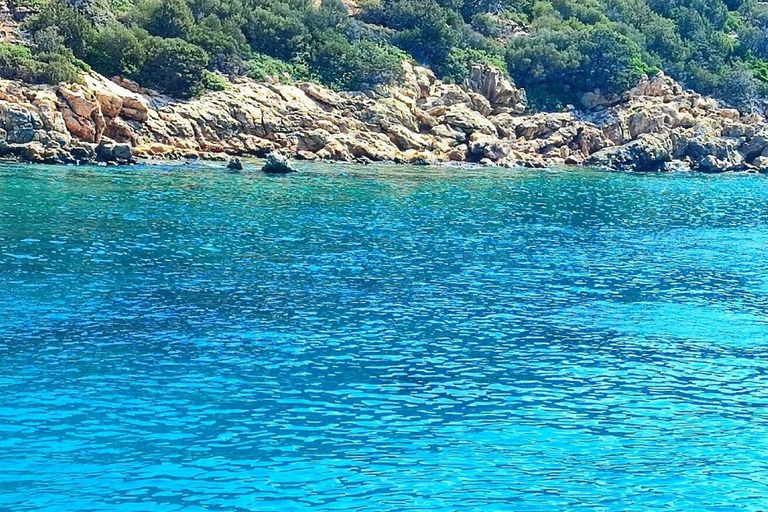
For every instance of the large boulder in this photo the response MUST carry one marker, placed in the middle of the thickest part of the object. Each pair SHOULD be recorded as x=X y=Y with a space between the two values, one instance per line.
x=590 y=139
x=704 y=145
x=19 y=123
x=390 y=111
x=327 y=98
x=761 y=164
x=657 y=85
x=647 y=154
x=135 y=108
x=596 y=99
x=119 y=130
x=645 y=121
x=755 y=146
x=418 y=80
x=46 y=104
x=445 y=131
x=464 y=118
x=82 y=101
x=406 y=139
x=277 y=164
x=370 y=145
x=118 y=97
x=336 y=149
x=542 y=125
x=313 y=140
x=486 y=146
x=106 y=93
x=111 y=151
x=235 y=164
x=711 y=164
x=506 y=124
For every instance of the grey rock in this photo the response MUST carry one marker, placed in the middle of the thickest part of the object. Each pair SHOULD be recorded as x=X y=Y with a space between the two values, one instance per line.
x=33 y=152
x=498 y=89
x=277 y=164
x=122 y=152
x=83 y=151
x=649 y=153
x=111 y=151
x=712 y=164
x=235 y=165
x=754 y=146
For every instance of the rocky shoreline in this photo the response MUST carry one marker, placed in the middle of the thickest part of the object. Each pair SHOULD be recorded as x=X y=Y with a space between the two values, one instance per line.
x=656 y=126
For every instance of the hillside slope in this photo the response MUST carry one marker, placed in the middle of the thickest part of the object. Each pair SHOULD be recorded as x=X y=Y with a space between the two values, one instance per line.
x=558 y=50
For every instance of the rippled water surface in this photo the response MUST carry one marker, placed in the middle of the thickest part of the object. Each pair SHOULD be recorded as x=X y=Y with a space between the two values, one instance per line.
x=391 y=339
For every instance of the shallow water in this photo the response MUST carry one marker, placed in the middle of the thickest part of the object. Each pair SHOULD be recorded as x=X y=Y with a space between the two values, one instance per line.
x=381 y=339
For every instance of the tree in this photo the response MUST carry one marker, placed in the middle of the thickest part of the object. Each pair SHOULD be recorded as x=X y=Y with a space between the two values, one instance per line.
x=611 y=62
x=74 y=28
x=169 y=19
x=424 y=29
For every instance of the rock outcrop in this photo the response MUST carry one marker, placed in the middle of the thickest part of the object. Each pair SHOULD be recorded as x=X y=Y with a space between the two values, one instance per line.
x=277 y=164
x=656 y=126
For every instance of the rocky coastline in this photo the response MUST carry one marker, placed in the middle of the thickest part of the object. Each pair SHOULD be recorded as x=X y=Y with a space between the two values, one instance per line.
x=654 y=127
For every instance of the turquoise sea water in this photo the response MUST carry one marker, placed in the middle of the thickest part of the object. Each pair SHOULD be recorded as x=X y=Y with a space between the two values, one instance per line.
x=382 y=339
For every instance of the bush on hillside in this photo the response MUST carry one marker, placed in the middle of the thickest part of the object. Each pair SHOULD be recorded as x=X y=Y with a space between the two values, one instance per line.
x=460 y=60
x=174 y=67
x=213 y=82
x=117 y=50
x=74 y=28
x=571 y=46
x=364 y=65
x=19 y=63
x=262 y=66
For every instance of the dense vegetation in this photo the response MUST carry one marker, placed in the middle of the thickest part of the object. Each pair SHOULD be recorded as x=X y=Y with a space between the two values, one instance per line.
x=556 y=49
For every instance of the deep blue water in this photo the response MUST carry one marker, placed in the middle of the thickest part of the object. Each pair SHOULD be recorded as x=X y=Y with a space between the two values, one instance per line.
x=391 y=339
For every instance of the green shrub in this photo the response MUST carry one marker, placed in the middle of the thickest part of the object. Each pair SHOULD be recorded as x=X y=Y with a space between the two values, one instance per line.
x=214 y=82
x=460 y=60
x=174 y=67
x=165 y=18
x=117 y=50
x=57 y=68
x=278 y=31
x=224 y=42
x=261 y=66
x=361 y=66
x=426 y=30
x=610 y=61
x=18 y=63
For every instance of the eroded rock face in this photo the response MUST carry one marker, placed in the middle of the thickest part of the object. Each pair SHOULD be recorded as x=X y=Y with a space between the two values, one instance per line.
x=655 y=126
x=500 y=92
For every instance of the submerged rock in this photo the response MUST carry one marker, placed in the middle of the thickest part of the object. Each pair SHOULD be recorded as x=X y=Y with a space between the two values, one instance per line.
x=277 y=164
x=235 y=165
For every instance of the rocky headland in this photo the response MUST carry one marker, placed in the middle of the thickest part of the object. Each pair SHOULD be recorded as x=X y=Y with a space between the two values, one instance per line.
x=655 y=126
